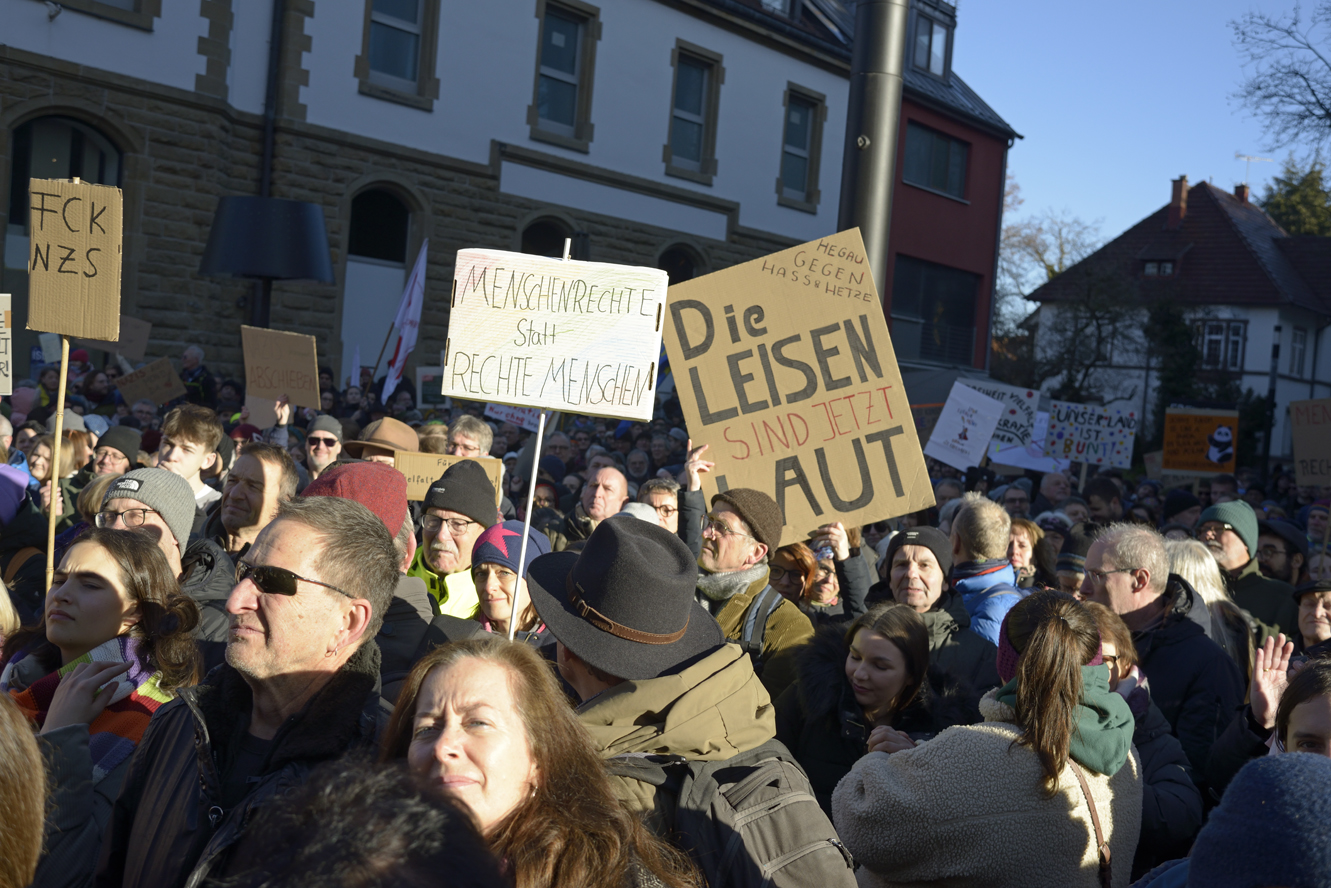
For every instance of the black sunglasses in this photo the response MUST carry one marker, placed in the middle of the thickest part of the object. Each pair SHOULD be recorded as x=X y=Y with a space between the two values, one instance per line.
x=276 y=580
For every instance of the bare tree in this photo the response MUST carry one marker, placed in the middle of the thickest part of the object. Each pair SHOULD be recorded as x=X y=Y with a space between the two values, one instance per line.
x=1287 y=72
x=1080 y=340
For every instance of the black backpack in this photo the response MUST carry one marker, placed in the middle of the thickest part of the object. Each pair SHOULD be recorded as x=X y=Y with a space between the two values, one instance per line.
x=754 y=629
x=750 y=821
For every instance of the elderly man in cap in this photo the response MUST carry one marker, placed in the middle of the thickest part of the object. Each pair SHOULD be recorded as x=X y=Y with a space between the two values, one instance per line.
x=1230 y=531
x=656 y=678
x=300 y=687
x=919 y=561
x=116 y=451
x=458 y=509
x=743 y=529
x=381 y=439
x=323 y=444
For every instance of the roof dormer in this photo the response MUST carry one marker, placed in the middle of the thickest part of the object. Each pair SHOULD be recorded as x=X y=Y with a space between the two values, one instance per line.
x=930 y=36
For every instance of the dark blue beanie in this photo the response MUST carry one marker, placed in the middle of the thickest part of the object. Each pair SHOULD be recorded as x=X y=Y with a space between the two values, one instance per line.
x=502 y=544
x=1273 y=827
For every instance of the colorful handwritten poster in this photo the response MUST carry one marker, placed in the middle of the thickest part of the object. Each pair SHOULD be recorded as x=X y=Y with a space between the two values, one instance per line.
x=1098 y=436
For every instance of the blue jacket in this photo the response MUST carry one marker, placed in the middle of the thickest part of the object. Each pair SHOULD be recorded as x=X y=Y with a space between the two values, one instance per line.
x=989 y=590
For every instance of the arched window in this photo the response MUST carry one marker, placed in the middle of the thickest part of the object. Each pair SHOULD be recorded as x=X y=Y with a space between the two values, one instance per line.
x=378 y=235
x=545 y=237
x=681 y=263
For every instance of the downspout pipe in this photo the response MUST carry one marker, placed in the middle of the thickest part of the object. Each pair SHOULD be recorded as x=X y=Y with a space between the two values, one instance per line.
x=261 y=311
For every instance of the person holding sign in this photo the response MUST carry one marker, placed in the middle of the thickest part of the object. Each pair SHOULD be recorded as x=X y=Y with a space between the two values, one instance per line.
x=458 y=509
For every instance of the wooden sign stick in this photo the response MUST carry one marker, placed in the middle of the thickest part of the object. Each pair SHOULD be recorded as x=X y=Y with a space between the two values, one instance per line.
x=53 y=514
x=526 y=525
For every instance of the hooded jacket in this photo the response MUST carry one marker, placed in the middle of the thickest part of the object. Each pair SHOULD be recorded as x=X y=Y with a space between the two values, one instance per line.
x=452 y=594
x=989 y=591
x=208 y=576
x=712 y=710
x=968 y=808
x=1270 y=601
x=168 y=828
x=957 y=649
x=787 y=630
x=823 y=726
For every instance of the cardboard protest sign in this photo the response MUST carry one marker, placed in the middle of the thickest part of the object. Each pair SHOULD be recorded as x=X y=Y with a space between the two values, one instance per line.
x=554 y=334
x=6 y=346
x=1093 y=435
x=1032 y=456
x=1310 y=422
x=157 y=382
x=784 y=366
x=961 y=435
x=423 y=469
x=528 y=418
x=1200 y=441
x=279 y=363
x=74 y=258
x=133 y=342
x=1016 y=425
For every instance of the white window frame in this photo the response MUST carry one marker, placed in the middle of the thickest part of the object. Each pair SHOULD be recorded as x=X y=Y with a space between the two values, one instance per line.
x=1298 y=351
x=1229 y=337
x=392 y=81
x=678 y=113
x=574 y=79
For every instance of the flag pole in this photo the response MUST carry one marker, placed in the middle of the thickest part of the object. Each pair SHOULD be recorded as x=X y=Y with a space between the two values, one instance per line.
x=54 y=515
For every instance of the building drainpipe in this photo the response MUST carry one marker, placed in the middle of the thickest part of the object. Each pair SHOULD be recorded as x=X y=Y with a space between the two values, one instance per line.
x=873 y=118
x=998 y=246
x=261 y=312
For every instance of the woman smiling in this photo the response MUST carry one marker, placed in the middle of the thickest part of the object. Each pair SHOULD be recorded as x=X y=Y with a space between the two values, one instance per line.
x=114 y=643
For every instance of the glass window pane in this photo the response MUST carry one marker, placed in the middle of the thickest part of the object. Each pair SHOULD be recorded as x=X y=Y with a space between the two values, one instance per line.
x=686 y=140
x=916 y=167
x=393 y=51
x=938 y=162
x=937 y=48
x=557 y=101
x=690 y=80
x=794 y=173
x=922 y=29
x=406 y=10
x=956 y=171
x=798 y=117
x=559 y=43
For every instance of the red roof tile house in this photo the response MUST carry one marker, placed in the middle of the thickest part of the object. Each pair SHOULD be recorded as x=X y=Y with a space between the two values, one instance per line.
x=1241 y=280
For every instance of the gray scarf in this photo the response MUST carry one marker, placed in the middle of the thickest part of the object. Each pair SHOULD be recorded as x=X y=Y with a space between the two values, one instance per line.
x=725 y=586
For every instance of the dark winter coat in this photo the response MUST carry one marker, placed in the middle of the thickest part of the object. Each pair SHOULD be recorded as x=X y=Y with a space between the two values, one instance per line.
x=27 y=588
x=1196 y=684
x=208 y=575
x=819 y=721
x=1242 y=741
x=692 y=511
x=1270 y=601
x=407 y=633
x=168 y=829
x=854 y=578
x=956 y=650
x=1171 y=802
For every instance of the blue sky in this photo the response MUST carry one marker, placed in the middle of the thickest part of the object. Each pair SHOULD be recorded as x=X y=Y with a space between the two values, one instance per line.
x=1114 y=99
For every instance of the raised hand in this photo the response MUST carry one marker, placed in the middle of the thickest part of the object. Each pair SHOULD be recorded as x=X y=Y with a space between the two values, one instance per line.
x=1269 y=676
x=694 y=467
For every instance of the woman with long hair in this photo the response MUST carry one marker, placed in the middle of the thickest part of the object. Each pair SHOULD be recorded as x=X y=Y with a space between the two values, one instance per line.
x=485 y=721
x=50 y=476
x=113 y=645
x=1223 y=621
x=22 y=798
x=1046 y=792
x=865 y=687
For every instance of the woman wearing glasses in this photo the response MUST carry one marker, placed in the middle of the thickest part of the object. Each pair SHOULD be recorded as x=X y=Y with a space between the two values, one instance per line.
x=113 y=645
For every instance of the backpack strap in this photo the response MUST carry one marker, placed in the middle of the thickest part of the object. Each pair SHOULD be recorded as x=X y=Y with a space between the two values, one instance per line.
x=1106 y=869
x=21 y=557
x=755 y=623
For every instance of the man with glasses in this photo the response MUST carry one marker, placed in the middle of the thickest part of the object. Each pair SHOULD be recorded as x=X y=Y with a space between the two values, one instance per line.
x=662 y=494
x=1229 y=530
x=1282 y=552
x=1017 y=501
x=743 y=529
x=300 y=687
x=1194 y=682
x=469 y=436
x=323 y=445
x=458 y=509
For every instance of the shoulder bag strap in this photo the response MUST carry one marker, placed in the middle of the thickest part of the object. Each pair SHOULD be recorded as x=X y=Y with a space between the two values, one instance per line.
x=1106 y=877
x=21 y=557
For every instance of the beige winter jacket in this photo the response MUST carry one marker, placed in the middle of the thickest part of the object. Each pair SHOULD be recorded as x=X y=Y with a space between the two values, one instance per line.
x=967 y=808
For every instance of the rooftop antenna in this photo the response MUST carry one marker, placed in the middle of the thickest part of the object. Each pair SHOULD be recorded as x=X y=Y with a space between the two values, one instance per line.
x=1248 y=159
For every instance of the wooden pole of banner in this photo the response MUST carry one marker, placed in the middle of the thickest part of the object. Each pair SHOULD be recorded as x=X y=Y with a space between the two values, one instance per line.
x=54 y=515
x=1326 y=536
x=526 y=526
x=1081 y=485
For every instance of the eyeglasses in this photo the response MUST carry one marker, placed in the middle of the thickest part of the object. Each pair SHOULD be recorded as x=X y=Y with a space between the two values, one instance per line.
x=720 y=528
x=1214 y=527
x=1101 y=575
x=276 y=580
x=878 y=527
x=456 y=526
x=131 y=517
x=1110 y=660
x=665 y=510
x=1271 y=552
x=777 y=574
x=330 y=443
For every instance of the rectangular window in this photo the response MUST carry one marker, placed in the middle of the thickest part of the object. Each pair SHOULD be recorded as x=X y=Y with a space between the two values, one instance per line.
x=690 y=152
x=1223 y=344
x=398 y=52
x=935 y=161
x=801 y=147
x=930 y=46
x=1298 y=348
x=933 y=312
x=560 y=112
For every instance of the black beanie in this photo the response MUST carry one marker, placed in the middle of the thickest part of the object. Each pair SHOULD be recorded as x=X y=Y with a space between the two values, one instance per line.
x=1176 y=501
x=126 y=440
x=931 y=538
x=465 y=489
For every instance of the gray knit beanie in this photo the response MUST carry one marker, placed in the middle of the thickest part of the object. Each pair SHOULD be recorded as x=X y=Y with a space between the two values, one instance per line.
x=165 y=493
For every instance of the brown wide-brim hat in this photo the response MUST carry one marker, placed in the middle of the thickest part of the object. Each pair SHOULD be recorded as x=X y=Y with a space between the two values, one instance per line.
x=386 y=434
x=625 y=604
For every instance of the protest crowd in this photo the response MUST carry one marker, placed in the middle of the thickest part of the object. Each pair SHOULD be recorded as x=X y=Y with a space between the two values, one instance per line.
x=261 y=663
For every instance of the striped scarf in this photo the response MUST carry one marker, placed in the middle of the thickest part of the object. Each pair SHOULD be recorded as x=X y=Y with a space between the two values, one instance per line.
x=135 y=696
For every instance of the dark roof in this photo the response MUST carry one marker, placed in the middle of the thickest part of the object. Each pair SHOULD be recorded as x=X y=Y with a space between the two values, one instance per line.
x=955 y=96
x=1228 y=252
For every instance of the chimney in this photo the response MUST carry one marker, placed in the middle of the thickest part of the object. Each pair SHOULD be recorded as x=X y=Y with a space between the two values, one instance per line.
x=1241 y=192
x=1178 y=203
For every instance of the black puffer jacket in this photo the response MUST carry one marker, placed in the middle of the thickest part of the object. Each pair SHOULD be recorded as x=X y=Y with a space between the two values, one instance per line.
x=1171 y=802
x=168 y=829
x=208 y=575
x=407 y=634
x=819 y=721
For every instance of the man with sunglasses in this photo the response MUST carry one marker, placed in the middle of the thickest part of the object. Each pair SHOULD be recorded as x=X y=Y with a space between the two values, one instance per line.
x=323 y=445
x=300 y=687
x=1194 y=682
x=1231 y=532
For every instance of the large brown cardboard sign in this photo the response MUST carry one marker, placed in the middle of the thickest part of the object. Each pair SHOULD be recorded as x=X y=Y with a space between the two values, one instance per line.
x=784 y=366
x=133 y=342
x=423 y=469
x=74 y=258
x=1310 y=423
x=157 y=382
x=279 y=363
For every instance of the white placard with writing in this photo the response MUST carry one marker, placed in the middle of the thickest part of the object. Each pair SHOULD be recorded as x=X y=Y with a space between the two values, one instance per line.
x=963 y=430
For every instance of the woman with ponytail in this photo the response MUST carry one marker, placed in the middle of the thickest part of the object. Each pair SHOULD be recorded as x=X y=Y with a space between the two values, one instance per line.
x=114 y=643
x=1046 y=792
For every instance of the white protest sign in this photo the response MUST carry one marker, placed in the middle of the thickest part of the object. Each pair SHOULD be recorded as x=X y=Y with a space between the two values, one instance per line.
x=523 y=417
x=963 y=430
x=1016 y=425
x=50 y=343
x=1032 y=456
x=1093 y=435
x=554 y=334
x=6 y=346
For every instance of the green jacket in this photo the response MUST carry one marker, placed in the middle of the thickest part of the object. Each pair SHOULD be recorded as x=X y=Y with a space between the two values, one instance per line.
x=955 y=649
x=788 y=630
x=711 y=711
x=1269 y=601
x=451 y=594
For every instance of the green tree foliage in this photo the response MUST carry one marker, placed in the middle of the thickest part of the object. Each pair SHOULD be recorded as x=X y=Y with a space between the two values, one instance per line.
x=1297 y=199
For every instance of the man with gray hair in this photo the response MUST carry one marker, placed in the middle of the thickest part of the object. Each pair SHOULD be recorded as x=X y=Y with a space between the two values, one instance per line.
x=982 y=573
x=1194 y=682
x=300 y=687
x=200 y=387
x=469 y=436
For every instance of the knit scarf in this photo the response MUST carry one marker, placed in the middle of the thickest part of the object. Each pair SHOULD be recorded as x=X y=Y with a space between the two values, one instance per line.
x=114 y=734
x=725 y=586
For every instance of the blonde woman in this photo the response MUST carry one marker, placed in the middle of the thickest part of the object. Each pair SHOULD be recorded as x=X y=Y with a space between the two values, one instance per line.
x=41 y=463
x=1224 y=622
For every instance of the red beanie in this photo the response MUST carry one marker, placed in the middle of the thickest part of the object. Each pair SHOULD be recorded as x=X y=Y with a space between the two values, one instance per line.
x=381 y=489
